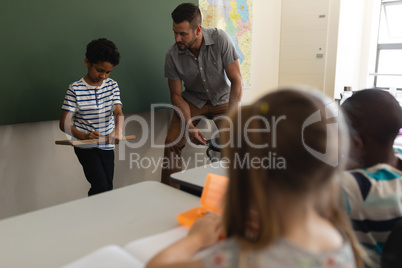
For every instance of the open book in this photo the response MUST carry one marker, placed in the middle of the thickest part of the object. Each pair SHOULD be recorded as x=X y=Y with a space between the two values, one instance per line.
x=135 y=254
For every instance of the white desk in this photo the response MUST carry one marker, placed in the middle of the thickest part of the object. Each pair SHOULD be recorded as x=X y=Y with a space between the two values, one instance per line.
x=194 y=178
x=56 y=236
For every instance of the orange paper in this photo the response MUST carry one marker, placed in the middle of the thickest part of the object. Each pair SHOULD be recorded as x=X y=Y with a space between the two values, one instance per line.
x=211 y=200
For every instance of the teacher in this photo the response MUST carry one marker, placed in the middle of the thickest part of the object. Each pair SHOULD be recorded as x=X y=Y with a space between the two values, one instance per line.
x=207 y=62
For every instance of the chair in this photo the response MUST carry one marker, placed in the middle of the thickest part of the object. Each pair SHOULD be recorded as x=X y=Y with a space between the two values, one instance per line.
x=213 y=145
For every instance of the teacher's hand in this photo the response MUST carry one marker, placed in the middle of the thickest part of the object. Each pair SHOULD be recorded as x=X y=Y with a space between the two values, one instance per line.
x=196 y=136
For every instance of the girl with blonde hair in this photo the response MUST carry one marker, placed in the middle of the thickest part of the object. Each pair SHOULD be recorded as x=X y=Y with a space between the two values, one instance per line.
x=283 y=205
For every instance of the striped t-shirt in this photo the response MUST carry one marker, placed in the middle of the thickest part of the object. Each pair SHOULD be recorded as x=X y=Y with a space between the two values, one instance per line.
x=93 y=107
x=374 y=204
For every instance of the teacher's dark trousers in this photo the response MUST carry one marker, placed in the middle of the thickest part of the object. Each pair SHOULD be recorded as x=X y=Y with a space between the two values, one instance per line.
x=98 y=168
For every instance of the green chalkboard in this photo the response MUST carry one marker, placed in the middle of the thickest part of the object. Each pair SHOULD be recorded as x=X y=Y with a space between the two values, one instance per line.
x=42 y=50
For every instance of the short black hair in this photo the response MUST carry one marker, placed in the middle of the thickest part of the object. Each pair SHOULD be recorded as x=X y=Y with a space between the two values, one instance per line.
x=374 y=113
x=187 y=12
x=100 y=50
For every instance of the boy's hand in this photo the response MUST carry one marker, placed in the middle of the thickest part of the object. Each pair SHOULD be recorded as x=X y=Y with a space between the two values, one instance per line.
x=206 y=230
x=93 y=135
x=115 y=137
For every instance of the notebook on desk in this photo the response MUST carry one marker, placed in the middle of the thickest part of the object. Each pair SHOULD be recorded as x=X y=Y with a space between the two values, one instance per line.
x=211 y=200
x=133 y=255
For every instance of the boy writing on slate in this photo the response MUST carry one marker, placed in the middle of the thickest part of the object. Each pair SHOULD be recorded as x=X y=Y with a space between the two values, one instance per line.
x=92 y=109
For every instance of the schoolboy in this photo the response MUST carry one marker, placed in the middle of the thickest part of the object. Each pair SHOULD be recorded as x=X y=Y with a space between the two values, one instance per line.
x=92 y=109
x=374 y=186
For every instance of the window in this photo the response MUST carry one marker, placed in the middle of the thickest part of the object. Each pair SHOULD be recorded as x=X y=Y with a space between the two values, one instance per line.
x=388 y=69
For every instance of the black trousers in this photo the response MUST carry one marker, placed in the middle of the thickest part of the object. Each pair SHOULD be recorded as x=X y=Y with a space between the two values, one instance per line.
x=98 y=168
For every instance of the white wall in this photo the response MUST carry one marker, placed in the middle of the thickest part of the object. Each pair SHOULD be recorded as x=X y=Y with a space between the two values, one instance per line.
x=349 y=44
x=344 y=37
x=332 y=47
x=356 y=41
x=265 y=49
x=304 y=30
x=35 y=173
